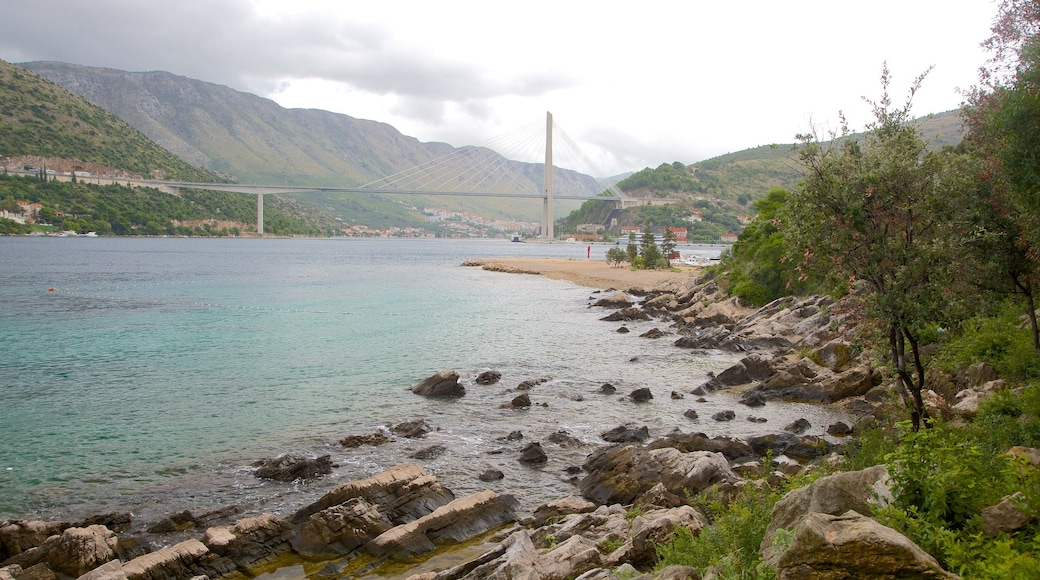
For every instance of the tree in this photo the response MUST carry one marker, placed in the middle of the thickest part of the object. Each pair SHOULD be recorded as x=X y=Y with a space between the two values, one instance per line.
x=871 y=211
x=632 y=249
x=648 y=249
x=668 y=243
x=616 y=256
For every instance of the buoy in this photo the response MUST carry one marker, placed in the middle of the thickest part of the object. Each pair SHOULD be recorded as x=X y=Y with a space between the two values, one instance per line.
x=50 y=289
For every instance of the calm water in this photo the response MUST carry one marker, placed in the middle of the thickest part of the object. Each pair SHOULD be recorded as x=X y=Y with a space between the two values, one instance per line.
x=149 y=374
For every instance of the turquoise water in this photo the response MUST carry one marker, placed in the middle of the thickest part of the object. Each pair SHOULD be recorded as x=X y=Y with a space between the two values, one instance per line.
x=148 y=374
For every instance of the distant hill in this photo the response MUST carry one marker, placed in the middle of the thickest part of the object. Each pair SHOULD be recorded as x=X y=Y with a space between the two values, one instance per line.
x=255 y=140
x=47 y=128
x=39 y=118
x=721 y=189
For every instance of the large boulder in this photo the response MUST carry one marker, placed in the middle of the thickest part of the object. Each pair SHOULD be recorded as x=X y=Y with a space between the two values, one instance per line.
x=291 y=467
x=621 y=474
x=455 y=522
x=402 y=493
x=251 y=541
x=73 y=552
x=442 y=384
x=20 y=535
x=852 y=545
x=686 y=442
x=834 y=494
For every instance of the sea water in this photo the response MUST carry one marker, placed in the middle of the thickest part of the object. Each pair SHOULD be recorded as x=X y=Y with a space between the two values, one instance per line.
x=148 y=375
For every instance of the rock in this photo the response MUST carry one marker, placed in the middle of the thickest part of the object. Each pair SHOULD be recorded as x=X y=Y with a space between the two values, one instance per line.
x=514 y=436
x=428 y=453
x=625 y=434
x=834 y=494
x=621 y=474
x=187 y=559
x=1007 y=516
x=690 y=414
x=251 y=541
x=640 y=395
x=520 y=402
x=724 y=416
x=754 y=419
x=291 y=467
x=653 y=333
x=798 y=427
x=676 y=395
x=554 y=510
x=564 y=439
x=411 y=429
x=178 y=522
x=616 y=300
x=839 y=429
x=829 y=546
x=340 y=529
x=116 y=521
x=531 y=383
x=626 y=314
x=18 y=536
x=658 y=497
x=404 y=492
x=375 y=439
x=488 y=378
x=753 y=399
x=455 y=522
x=73 y=552
x=491 y=475
x=623 y=330
x=731 y=448
x=806 y=447
x=607 y=389
x=533 y=454
x=835 y=355
x=443 y=384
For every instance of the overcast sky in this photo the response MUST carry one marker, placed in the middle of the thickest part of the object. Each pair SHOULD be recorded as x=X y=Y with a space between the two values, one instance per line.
x=634 y=84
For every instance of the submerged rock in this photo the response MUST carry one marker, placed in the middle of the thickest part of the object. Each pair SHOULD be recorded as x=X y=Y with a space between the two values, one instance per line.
x=443 y=384
x=291 y=467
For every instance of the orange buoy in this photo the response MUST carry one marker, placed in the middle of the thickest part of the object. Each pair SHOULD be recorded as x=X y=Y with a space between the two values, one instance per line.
x=50 y=289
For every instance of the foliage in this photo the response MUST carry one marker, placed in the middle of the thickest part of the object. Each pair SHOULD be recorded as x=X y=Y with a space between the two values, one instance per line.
x=666 y=178
x=756 y=267
x=39 y=118
x=872 y=211
x=118 y=210
x=999 y=340
x=632 y=250
x=1007 y=419
x=732 y=539
x=942 y=479
x=616 y=256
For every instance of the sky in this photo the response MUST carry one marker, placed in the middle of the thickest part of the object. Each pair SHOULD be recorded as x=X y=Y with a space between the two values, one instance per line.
x=631 y=84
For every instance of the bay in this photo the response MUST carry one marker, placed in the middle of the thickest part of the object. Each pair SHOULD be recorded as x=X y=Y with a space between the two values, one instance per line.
x=150 y=374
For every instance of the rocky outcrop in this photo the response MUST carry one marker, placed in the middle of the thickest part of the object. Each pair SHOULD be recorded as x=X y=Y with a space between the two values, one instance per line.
x=829 y=546
x=454 y=522
x=187 y=559
x=621 y=474
x=292 y=467
x=443 y=384
x=251 y=541
x=403 y=493
x=73 y=552
x=834 y=494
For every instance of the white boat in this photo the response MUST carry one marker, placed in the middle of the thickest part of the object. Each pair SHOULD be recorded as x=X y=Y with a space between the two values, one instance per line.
x=89 y=235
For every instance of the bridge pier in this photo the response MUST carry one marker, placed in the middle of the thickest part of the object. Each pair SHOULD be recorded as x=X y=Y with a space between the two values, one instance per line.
x=260 y=214
x=547 y=204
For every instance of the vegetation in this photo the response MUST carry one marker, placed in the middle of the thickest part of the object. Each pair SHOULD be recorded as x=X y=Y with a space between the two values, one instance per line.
x=118 y=210
x=42 y=119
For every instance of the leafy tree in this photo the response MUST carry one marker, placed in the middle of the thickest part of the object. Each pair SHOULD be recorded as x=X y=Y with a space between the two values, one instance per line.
x=632 y=249
x=757 y=268
x=648 y=249
x=616 y=256
x=870 y=211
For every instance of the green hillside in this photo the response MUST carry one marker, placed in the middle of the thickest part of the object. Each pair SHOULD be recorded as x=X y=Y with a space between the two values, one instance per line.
x=720 y=190
x=53 y=131
x=40 y=118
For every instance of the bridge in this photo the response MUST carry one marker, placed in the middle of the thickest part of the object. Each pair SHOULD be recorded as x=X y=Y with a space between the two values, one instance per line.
x=467 y=171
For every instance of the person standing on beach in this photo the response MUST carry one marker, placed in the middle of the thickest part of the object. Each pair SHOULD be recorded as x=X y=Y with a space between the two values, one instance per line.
x=588 y=253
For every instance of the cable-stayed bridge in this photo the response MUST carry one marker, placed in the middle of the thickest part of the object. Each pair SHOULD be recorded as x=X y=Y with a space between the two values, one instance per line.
x=475 y=171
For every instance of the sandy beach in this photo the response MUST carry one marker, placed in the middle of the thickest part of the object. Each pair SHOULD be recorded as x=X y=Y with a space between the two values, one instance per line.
x=591 y=273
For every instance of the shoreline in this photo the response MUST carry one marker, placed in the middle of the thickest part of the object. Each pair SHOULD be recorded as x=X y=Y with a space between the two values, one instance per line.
x=592 y=273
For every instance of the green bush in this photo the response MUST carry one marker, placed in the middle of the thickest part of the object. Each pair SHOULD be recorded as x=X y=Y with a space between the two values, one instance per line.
x=1001 y=340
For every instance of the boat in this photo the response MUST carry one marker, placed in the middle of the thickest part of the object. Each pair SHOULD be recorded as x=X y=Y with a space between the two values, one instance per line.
x=517 y=238
x=90 y=235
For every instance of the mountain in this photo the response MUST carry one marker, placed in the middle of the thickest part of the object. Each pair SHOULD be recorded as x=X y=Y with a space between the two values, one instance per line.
x=255 y=140
x=42 y=119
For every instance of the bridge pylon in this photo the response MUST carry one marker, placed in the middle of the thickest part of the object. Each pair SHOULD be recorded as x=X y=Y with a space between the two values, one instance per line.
x=547 y=203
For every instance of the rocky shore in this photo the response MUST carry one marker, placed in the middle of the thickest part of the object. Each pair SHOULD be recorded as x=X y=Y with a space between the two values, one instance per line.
x=629 y=494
